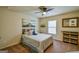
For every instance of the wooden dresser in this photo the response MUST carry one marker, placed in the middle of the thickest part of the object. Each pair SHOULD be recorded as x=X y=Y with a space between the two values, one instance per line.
x=71 y=37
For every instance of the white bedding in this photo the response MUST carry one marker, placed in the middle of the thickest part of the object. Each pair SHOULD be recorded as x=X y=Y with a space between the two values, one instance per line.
x=39 y=41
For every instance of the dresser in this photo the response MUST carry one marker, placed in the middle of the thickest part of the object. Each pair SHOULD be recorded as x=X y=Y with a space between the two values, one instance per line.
x=71 y=37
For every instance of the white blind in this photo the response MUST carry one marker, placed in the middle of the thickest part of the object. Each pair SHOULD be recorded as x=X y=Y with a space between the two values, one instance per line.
x=52 y=27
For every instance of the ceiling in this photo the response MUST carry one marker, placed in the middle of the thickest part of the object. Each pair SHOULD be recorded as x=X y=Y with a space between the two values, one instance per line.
x=31 y=10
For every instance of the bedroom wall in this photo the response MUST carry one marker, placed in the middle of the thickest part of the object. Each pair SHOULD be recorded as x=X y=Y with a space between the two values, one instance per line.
x=0 y=23
x=59 y=18
x=10 y=27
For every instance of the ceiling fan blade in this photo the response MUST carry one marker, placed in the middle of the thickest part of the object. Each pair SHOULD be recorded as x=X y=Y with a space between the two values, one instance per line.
x=50 y=9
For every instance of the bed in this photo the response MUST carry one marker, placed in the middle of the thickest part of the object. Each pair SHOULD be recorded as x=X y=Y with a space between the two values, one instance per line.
x=38 y=42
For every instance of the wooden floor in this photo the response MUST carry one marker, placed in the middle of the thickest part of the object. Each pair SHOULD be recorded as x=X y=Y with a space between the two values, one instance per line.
x=57 y=47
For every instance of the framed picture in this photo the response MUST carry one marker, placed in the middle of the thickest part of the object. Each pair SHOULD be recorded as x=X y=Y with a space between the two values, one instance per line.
x=73 y=22
x=70 y=22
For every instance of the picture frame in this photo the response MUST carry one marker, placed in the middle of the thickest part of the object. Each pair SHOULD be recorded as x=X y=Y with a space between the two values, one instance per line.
x=70 y=22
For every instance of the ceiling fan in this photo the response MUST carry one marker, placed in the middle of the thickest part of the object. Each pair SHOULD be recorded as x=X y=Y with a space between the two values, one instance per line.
x=44 y=10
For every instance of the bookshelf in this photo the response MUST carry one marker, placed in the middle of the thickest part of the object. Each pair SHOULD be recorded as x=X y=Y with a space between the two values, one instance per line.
x=70 y=37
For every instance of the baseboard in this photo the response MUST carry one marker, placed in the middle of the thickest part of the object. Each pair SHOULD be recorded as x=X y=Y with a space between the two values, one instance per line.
x=58 y=40
x=9 y=45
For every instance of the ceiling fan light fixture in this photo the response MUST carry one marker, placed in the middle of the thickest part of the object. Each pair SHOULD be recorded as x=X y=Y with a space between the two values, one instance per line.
x=44 y=10
x=44 y=13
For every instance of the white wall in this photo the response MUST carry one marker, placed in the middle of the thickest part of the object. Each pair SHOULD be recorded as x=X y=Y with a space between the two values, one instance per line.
x=59 y=23
x=10 y=27
x=0 y=22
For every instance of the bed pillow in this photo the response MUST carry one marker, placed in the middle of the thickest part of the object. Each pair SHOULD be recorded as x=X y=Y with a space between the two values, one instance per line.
x=29 y=32
x=34 y=33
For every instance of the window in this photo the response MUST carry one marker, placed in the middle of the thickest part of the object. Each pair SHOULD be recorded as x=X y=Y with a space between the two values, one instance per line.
x=52 y=27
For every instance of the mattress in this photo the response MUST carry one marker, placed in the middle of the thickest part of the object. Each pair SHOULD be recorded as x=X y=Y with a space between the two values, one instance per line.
x=40 y=41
